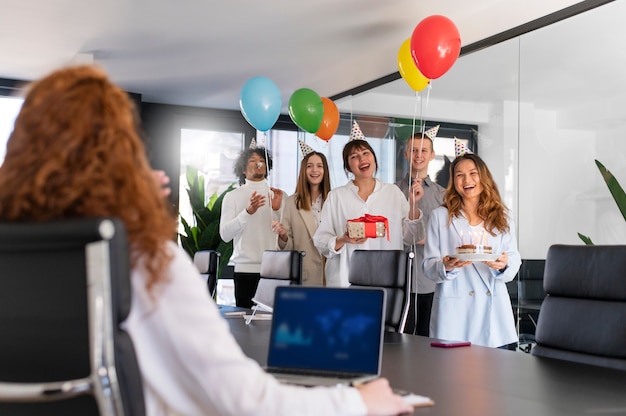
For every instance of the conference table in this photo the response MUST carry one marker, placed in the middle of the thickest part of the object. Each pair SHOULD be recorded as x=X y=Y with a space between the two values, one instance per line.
x=474 y=380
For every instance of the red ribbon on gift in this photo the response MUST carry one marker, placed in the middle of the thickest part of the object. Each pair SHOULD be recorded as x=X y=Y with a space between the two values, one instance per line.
x=370 y=223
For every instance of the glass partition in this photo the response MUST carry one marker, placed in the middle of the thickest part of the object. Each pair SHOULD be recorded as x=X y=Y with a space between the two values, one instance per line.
x=546 y=104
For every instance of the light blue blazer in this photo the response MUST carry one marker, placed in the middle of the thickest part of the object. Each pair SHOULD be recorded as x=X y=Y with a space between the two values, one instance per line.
x=471 y=303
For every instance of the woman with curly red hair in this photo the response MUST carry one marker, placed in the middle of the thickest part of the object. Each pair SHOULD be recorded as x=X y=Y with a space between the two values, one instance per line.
x=75 y=152
x=471 y=301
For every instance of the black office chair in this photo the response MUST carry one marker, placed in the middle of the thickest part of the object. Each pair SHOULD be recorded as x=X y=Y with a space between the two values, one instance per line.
x=278 y=268
x=391 y=270
x=530 y=295
x=582 y=317
x=64 y=290
x=207 y=262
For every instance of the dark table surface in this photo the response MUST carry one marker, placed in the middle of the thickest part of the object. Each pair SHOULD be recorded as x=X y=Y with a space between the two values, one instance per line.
x=477 y=380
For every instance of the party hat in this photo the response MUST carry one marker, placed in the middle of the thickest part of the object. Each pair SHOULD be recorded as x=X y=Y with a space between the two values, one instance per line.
x=459 y=148
x=305 y=149
x=432 y=132
x=356 y=133
x=253 y=143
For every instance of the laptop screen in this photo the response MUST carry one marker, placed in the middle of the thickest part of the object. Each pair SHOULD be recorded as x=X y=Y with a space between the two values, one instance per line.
x=327 y=329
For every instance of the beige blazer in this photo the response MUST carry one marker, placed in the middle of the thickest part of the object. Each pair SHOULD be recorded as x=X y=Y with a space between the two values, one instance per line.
x=301 y=226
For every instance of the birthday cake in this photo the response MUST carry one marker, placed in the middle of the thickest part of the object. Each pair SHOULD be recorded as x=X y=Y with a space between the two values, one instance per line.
x=473 y=249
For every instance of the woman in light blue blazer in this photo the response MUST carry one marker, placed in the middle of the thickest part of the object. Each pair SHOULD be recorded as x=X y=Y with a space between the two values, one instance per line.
x=471 y=301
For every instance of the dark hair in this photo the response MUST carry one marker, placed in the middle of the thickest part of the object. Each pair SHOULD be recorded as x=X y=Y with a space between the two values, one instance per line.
x=350 y=147
x=490 y=206
x=303 y=187
x=242 y=162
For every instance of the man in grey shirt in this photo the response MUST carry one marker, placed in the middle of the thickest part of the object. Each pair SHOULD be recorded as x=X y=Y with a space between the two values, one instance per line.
x=419 y=153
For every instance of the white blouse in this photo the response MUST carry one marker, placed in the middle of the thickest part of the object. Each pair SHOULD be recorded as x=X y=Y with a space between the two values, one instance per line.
x=192 y=365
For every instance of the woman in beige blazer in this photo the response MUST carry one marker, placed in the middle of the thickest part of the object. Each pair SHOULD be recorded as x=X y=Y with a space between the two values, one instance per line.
x=301 y=215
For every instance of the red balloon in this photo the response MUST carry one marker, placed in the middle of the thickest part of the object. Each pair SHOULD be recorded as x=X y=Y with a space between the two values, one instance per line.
x=435 y=45
x=330 y=120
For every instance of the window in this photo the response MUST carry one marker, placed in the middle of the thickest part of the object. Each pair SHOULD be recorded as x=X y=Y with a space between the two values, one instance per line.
x=213 y=153
x=9 y=108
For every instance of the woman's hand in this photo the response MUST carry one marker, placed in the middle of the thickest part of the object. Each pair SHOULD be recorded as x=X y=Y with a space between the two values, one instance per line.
x=451 y=263
x=345 y=239
x=163 y=181
x=279 y=229
x=380 y=399
x=500 y=263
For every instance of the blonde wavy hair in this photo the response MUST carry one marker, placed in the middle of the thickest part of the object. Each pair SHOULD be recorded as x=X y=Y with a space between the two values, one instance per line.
x=491 y=209
x=75 y=151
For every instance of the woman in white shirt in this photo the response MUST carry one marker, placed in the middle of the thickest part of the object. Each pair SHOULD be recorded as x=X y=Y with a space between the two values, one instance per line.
x=365 y=195
x=74 y=152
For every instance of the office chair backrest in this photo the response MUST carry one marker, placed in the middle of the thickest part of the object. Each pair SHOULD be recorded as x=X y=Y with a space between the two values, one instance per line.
x=282 y=264
x=391 y=270
x=207 y=262
x=583 y=315
x=64 y=290
x=278 y=268
x=530 y=281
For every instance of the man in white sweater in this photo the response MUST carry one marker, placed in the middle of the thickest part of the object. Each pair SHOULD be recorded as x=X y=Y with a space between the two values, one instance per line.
x=247 y=215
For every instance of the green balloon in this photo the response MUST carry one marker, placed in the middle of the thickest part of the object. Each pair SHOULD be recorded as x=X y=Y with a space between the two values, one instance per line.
x=306 y=109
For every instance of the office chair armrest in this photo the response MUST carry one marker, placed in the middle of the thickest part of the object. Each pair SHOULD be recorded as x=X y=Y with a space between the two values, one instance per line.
x=44 y=392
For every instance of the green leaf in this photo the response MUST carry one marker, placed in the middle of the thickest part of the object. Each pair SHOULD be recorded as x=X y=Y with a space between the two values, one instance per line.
x=585 y=239
x=614 y=187
x=205 y=234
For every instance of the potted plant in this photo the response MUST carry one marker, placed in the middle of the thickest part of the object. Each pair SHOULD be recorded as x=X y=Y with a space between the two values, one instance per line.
x=204 y=233
x=616 y=191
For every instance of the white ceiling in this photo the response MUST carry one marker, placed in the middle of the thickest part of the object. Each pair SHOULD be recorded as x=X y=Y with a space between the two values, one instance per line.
x=201 y=52
x=574 y=67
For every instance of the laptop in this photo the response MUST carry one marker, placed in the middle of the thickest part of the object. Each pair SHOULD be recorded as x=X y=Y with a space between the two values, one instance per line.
x=326 y=336
x=264 y=295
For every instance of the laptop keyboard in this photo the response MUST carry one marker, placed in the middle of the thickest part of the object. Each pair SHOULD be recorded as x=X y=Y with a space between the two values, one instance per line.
x=314 y=373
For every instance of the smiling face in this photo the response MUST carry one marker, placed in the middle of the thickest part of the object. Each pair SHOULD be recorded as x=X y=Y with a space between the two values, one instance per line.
x=419 y=153
x=359 y=159
x=361 y=163
x=467 y=179
x=314 y=170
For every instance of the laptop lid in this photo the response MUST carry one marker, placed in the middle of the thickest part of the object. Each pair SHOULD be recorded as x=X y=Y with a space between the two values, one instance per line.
x=264 y=295
x=325 y=331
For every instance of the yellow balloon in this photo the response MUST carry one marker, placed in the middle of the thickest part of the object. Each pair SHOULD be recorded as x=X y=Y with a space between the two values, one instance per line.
x=408 y=69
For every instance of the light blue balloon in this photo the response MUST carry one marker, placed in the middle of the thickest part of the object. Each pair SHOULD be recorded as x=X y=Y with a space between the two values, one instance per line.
x=260 y=102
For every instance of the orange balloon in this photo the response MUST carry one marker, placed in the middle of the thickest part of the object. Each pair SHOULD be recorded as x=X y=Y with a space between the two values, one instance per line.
x=330 y=120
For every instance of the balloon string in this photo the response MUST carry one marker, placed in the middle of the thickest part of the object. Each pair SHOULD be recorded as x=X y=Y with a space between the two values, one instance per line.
x=417 y=99
x=423 y=130
x=267 y=177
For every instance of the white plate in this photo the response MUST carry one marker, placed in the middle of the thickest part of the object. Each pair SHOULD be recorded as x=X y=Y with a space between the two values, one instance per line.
x=475 y=257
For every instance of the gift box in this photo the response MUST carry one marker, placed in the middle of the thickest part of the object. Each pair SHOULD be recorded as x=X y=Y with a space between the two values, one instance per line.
x=369 y=226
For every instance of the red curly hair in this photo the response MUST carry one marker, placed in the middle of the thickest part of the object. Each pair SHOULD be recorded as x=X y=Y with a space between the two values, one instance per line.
x=75 y=151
